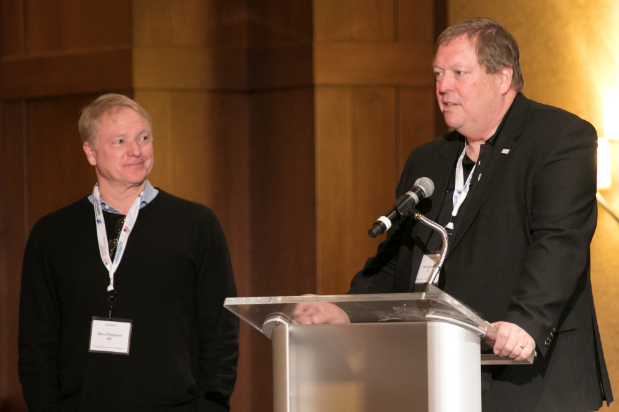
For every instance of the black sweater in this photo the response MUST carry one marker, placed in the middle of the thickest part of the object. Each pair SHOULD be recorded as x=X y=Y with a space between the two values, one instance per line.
x=171 y=282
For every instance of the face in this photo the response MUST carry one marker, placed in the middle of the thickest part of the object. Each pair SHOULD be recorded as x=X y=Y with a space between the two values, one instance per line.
x=123 y=152
x=471 y=100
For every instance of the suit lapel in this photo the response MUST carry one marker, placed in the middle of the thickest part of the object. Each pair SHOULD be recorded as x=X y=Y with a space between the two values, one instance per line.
x=441 y=171
x=506 y=142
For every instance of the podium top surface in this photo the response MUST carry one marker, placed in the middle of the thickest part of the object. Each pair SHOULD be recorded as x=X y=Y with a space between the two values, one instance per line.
x=428 y=304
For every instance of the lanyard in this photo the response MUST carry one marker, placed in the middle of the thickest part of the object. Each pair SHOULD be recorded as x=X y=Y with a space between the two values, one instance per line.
x=124 y=234
x=461 y=189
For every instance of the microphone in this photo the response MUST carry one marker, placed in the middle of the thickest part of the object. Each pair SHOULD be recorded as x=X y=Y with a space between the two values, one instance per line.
x=423 y=188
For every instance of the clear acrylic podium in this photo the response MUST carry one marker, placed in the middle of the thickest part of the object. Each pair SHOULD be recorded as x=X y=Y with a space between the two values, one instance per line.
x=401 y=352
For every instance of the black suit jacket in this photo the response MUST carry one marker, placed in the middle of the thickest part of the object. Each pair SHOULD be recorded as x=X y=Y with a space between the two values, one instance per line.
x=520 y=253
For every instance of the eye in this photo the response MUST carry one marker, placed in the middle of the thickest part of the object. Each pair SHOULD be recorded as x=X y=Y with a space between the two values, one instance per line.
x=437 y=74
x=459 y=72
x=119 y=141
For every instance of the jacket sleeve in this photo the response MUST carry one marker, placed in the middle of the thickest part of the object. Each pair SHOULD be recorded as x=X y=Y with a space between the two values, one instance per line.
x=562 y=216
x=39 y=328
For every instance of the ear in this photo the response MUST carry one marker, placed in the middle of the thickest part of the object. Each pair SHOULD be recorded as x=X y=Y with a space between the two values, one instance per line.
x=505 y=79
x=90 y=153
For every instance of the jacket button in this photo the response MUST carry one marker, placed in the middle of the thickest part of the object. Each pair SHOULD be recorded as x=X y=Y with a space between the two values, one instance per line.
x=546 y=343
x=554 y=330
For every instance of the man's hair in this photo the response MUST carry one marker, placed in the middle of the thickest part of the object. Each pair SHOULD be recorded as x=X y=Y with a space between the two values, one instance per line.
x=111 y=103
x=496 y=48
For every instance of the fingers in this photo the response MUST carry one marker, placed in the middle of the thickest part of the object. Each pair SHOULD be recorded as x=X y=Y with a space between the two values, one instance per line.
x=512 y=341
x=319 y=313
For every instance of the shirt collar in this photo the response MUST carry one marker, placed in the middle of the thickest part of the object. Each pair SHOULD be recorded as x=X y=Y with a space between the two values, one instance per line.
x=149 y=194
x=492 y=140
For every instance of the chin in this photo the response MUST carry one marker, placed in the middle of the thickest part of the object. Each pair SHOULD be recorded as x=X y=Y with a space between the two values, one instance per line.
x=135 y=180
x=452 y=124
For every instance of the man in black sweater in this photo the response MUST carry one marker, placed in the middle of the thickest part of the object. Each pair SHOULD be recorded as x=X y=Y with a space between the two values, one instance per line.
x=122 y=292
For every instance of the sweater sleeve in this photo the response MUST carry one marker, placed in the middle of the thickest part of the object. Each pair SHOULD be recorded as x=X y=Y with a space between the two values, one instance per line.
x=218 y=327
x=39 y=328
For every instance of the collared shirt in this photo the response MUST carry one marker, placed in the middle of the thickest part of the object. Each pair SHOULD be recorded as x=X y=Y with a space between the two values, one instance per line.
x=149 y=194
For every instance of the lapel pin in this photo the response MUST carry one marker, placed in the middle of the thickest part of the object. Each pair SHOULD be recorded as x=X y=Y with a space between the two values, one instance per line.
x=505 y=151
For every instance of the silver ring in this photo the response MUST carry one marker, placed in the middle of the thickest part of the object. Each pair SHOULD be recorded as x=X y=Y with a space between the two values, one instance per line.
x=520 y=344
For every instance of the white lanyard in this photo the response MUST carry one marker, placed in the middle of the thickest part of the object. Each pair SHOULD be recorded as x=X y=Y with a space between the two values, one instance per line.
x=461 y=188
x=124 y=234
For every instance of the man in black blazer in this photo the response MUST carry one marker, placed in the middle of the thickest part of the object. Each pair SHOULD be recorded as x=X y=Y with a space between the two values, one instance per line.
x=515 y=185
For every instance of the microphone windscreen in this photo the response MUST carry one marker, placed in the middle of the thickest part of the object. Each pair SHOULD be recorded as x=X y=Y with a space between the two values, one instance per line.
x=426 y=185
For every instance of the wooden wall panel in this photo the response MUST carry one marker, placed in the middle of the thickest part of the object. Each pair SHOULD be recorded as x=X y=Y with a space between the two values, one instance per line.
x=82 y=72
x=356 y=176
x=372 y=68
x=14 y=240
x=5 y=314
x=70 y=25
x=282 y=222
x=189 y=68
x=12 y=28
x=417 y=107
x=57 y=170
x=206 y=23
x=279 y=23
x=334 y=192
x=415 y=22
x=283 y=193
x=372 y=63
x=354 y=20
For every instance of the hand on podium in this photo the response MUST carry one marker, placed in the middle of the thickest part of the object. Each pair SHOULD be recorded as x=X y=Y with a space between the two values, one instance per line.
x=511 y=341
x=308 y=313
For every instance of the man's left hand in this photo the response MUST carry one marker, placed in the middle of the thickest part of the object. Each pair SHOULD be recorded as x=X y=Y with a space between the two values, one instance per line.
x=511 y=341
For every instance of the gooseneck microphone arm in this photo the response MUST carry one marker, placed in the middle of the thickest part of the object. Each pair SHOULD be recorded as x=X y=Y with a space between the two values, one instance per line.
x=437 y=267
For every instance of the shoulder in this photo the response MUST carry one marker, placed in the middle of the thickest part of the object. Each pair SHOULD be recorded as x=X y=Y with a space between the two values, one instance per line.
x=54 y=226
x=438 y=145
x=68 y=215
x=548 y=118
x=183 y=206
x=185 y=213
x=191 y=222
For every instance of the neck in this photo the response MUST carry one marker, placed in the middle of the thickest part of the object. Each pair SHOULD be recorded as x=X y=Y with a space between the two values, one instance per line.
x=478 y=138
x=120 y=199
x=472 y=147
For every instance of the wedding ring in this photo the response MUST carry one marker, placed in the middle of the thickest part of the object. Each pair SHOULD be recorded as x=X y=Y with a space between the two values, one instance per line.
x=520 y=344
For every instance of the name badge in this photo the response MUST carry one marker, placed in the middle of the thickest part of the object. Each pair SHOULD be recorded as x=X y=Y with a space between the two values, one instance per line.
x=425 y=269
x=110 y=336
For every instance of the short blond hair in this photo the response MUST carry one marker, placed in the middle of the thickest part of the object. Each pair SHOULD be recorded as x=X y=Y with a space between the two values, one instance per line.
x=112 y=103
x=496 y=47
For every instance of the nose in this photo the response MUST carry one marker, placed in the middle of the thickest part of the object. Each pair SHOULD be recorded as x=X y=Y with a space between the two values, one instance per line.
x=134 y=148
x=444 y=83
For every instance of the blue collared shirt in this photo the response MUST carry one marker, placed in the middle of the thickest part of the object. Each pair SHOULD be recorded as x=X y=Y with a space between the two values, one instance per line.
x=149 y=194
